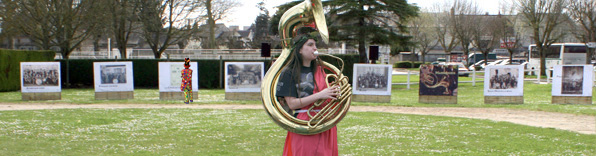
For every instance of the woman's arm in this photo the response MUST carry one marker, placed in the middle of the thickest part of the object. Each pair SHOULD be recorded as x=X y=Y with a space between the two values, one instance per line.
x=297 y=103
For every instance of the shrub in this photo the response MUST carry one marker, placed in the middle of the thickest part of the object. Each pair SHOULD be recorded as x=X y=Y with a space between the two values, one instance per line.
x=403 y=64
x=10 y=65
x=145 y=71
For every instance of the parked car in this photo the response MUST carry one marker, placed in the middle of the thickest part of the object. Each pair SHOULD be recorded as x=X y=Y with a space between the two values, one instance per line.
x=461 y=68
x=504 y=62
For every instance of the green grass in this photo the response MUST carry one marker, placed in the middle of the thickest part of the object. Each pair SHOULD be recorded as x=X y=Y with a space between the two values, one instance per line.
x=144 y=96
x=251 y=132
x=416 y=79
x=536 y=97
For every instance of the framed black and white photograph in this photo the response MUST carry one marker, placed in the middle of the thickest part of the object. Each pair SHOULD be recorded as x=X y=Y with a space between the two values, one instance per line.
x=438 y=80
x=170 y=76
x=371 y=79
x=504 y=80
x=113 y=76
x=39 y=77
x=244 y=76
x=572 y=80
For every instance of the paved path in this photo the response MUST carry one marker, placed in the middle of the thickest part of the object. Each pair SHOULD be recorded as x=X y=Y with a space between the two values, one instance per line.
x=584 y=124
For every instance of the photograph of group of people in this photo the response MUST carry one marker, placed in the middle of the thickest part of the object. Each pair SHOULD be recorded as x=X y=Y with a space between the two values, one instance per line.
x=113 y=74
x=371 y=77
x=438 y=80
x=247 y=75
x=503 y=78
x=41 y=75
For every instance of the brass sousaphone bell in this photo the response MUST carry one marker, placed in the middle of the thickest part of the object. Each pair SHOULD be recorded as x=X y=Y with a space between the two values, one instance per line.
x=302 y=14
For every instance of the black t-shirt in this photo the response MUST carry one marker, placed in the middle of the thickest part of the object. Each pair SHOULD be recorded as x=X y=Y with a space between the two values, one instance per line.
x=287 y=87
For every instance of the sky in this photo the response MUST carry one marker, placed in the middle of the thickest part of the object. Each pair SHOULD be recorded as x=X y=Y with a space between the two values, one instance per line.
x=245 y=14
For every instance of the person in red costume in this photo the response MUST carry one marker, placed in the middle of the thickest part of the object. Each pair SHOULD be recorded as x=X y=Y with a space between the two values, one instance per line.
x=186 y=85
x=302 y=82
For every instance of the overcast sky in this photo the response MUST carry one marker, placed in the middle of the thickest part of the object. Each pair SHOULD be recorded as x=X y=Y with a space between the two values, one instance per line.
x=245 y=14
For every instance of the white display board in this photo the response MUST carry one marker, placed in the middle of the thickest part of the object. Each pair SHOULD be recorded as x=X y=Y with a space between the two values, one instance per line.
x=40 y=77
x=244 y=76
x=113 y=76
x=371 y=79
x=504 y=80
x=572 y=80
x=170 y=76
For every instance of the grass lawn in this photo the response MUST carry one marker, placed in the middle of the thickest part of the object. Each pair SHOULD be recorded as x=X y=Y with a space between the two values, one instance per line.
x=251 y=132
x=536 y=97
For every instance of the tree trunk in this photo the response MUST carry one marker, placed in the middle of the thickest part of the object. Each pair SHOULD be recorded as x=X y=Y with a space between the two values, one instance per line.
x=122 y=50
x=211 y=24
x=362 y=38
x=65 y=53
x=157 y=55
x=542 y=64
x=485 y=54
x=510 y=56
x=589 y=55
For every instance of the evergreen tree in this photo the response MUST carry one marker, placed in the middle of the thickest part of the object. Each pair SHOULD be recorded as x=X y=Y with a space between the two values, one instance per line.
x=261 y=28
x=366 y=22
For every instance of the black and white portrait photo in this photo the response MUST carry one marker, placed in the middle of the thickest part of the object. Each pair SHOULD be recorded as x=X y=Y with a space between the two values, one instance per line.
x=503 y=78
x=372 y=79
x=113 y=74
x=245 y=76
x=40 y=75
x=573 y=79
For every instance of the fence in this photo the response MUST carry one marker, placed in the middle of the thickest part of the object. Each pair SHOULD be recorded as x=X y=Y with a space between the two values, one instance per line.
x=474 y=76
x=230 y=54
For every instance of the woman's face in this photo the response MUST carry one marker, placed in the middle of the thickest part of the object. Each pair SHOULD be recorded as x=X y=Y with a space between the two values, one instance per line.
x=308 y=50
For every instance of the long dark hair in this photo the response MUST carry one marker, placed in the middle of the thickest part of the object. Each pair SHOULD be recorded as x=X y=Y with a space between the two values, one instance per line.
x=294 y=65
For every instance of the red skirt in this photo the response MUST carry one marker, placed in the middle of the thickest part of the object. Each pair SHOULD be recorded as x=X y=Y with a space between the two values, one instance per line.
x=322 y=144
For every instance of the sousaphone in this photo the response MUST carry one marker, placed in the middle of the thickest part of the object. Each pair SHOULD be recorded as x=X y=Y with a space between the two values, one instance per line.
x=300 y=15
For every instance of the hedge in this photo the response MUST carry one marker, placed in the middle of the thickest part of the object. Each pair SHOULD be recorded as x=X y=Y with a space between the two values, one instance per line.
x=349 y=61
x=78 y=73
x=407 y=64
x=11 y=68
x=145 y=72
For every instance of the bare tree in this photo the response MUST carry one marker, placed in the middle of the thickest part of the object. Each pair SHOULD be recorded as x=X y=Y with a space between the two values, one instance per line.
x=422 y=32
x=217 y=10
x=123 y=22
x=29 y=17
x=465 y=21
x=167 y=22
x=506 y=28
x=543 y=17
x=583 y=12
x=62 y=23
x=444 y=28
x=7 y=30
x=485 y=36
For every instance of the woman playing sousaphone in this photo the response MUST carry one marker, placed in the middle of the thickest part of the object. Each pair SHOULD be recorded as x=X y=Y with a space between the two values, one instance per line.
x=297 y=92
x=301 y=84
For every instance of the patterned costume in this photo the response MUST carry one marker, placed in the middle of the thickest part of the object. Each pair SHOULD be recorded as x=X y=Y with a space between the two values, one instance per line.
x=186 y=85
